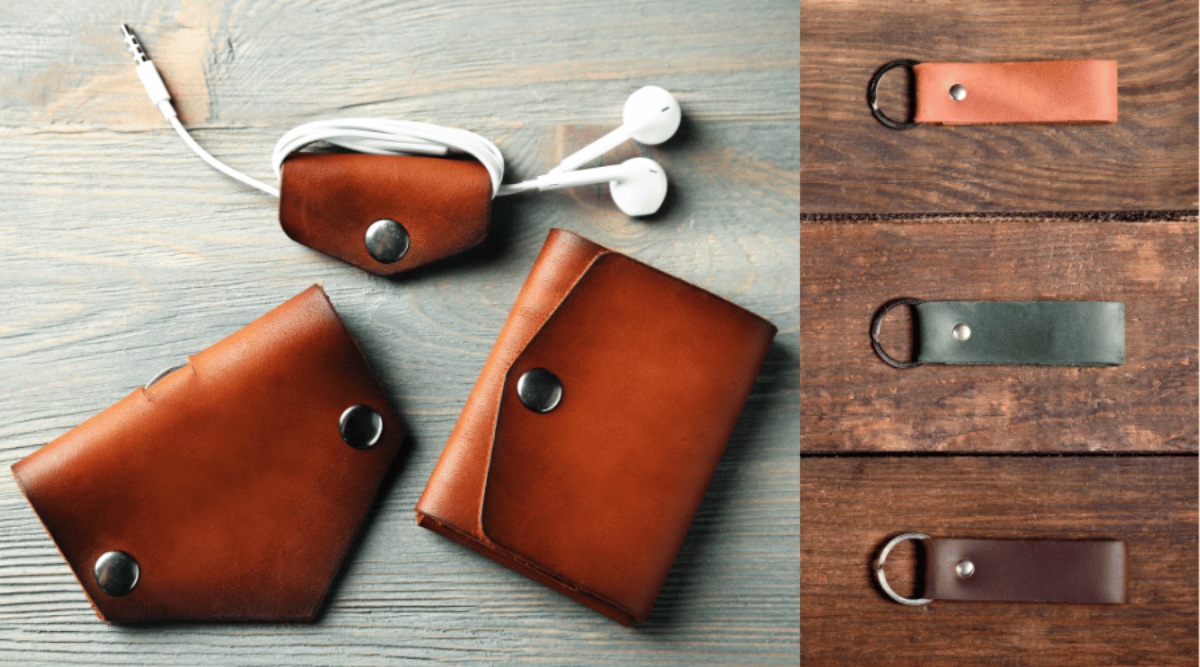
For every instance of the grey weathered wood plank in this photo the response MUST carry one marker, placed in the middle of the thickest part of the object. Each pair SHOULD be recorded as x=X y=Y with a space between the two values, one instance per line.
x=120 y=253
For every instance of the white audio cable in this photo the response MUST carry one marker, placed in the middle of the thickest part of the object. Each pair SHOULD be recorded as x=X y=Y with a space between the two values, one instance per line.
x=364 y=135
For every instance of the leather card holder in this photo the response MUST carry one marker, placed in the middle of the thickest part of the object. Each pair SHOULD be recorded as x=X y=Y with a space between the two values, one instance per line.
x=594 y=495
x=226 y=490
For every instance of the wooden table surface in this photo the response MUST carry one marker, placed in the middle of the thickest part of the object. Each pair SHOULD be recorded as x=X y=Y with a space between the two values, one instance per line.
x=999 y=212
x=123 y=253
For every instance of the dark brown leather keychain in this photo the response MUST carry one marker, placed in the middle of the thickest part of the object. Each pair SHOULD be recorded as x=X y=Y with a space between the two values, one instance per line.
x=991 y=570
x=1048 y=91
x=1027 y=333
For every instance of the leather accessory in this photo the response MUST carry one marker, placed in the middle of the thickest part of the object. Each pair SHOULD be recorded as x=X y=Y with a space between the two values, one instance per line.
x=228 y=489
x=1040 y=333
x=386 y=214
x=979 y=570
x=585 y=447
x=1050 y=91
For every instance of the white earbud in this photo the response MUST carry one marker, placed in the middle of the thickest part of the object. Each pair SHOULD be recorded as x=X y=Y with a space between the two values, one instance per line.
x=651 y=116
x=638 y=185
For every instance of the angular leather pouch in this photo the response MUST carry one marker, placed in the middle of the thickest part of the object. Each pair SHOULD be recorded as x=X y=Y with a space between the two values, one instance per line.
x=226 y=490
x=593 y=496
x=329 y=201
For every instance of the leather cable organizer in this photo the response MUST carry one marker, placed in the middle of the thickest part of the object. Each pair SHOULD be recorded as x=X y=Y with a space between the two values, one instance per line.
x=386 y=214
x=992 y=570
x=1048 y=91
x=230 y=488
x=1039 y=333
x=586 y=445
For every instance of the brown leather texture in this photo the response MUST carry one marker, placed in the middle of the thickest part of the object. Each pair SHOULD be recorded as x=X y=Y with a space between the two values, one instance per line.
x=594 y=497
x=328 y=200
x=1072 y=571
x=227 y=480
x=1052 y=91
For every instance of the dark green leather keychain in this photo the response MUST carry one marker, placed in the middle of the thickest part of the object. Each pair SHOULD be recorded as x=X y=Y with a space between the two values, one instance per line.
x=1038 y=333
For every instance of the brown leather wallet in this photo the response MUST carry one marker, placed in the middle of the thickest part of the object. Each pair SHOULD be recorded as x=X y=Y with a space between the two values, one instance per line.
x=228 y=489
x=386 y=214
x=584 y=449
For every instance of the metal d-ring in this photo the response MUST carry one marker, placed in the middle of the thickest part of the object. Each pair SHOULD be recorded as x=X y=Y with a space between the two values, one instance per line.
x=883 y=579
x=877 y=324
x=873 y=95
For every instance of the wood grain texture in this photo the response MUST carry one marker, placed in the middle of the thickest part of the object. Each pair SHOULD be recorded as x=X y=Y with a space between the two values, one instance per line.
x=122 y=253
x=853 y=505
x=853 y=164
x=852 y=402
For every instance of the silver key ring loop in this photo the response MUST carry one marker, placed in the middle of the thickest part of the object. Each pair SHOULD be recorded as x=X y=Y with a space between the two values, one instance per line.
x=887 y=549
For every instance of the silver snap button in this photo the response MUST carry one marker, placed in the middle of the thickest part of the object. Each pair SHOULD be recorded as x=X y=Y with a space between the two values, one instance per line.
x=116 y=573
x=961 y=332
x=958 y=93
x=539 y=390
x=360 y=426
x=387 y=241
x=964 y=569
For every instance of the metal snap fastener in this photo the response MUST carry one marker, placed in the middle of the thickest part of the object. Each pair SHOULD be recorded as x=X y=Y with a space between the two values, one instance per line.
x=360 y=426
x=116 y=573
x=961 y=332
x=964 y=569
x=958 y=93
x=387 y=241
x=539 y=390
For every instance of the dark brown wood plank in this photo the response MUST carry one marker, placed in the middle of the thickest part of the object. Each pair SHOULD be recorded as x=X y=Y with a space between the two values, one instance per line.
x=851 y=401
x=851 y=163
x=852 y=505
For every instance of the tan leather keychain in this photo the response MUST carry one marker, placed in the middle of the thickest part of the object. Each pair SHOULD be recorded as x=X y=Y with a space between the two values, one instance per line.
x=1048 y=91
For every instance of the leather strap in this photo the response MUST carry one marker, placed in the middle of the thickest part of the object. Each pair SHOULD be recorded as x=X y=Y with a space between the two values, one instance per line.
x=1042 y=333
x=1055 y=91
x=1074 y=571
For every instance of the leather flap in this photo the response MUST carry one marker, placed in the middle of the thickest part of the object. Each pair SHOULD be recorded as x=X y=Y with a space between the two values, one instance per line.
x=599 y=492
x=227 y=480
x=327 y=202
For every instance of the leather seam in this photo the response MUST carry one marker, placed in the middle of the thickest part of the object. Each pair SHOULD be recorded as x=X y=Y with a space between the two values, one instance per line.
x=526 y=562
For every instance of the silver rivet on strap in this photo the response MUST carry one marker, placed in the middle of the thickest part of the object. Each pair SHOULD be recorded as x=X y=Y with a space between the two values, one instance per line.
x=958 y=93
x=964 y=569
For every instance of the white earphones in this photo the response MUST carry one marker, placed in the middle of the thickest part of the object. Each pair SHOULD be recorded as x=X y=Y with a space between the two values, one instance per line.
x=651 y=116
x=639 y=185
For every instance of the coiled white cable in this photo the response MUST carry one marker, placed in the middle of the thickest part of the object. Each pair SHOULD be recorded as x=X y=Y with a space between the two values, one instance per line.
x=381 y=136
x=378 y=136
